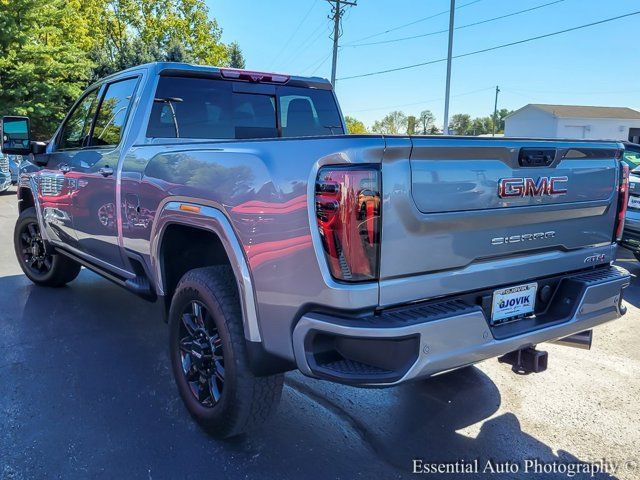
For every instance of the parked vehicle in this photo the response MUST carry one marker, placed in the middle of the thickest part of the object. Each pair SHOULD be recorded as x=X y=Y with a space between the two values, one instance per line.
x=275 y=241
x=631 y=234
x=14 y=167
x=5 y=173
x=631 y=156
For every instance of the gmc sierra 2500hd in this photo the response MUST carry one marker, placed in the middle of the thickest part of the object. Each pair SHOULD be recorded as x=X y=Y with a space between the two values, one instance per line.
x=275 y=241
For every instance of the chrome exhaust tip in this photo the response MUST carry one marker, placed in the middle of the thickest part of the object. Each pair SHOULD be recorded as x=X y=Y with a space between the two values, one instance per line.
x=577 y=340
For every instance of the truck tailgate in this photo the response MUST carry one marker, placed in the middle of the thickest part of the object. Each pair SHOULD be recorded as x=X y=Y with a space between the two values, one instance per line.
x=474 y=213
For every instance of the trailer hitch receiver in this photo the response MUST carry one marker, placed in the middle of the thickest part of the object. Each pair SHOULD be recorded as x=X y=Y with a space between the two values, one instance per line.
x=526 y=360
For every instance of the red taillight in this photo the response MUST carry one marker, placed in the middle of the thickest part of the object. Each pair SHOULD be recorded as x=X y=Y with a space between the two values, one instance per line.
x=348 y=214
x=250 y=76
x=623 y=200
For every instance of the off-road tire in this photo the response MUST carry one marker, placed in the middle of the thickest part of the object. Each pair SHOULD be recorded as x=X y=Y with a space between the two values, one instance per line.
x=246 y=400
x=62 y=269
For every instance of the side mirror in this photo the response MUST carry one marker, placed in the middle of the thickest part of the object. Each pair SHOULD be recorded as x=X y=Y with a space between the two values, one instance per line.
x=38 y=149
x=16 y=136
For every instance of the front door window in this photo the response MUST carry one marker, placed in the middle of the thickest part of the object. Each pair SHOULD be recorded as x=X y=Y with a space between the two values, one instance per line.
x=76 y=130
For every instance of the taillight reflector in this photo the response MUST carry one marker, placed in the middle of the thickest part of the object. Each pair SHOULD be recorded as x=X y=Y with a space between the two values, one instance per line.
x=348 y=214
x=623 y=200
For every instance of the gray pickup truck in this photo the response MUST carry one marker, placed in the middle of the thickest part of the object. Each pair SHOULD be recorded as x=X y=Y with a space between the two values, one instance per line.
x=274 y=241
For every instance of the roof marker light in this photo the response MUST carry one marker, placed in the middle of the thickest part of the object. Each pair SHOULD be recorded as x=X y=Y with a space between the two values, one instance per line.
x=248 y=75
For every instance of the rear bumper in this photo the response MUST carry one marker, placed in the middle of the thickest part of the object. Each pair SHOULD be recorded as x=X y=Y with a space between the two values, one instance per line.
x=421 y=341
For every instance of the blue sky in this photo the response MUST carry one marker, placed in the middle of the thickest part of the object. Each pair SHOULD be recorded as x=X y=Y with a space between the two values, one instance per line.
x=599 y=65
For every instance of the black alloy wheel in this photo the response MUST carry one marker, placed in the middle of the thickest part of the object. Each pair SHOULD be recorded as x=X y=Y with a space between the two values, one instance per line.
x=33 y=250
x=209 y=356
x=201 y=354
x=42 y=266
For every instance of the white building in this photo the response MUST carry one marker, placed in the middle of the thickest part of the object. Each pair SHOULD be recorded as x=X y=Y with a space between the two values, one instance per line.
x=574 y=121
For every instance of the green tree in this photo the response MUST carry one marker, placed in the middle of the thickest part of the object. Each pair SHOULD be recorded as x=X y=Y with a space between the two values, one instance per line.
x=50 y=50
x=355 y=126
x=502 y=114
x=43 y=64
x=412 y=122
x=426 y=121
x=140 y=31
x=481 y=126
x=460 y=124
x=392 y=124
x=236 y=59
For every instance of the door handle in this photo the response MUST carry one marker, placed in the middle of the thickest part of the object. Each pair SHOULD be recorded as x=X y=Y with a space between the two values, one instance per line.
x=106 y=171
x=65 y=168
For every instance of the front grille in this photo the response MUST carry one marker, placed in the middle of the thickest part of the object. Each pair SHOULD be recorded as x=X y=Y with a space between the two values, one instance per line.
x=51 y=184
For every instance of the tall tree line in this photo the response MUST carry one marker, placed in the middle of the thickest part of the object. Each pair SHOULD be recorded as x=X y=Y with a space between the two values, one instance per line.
x=398 y=122
x=50 y=50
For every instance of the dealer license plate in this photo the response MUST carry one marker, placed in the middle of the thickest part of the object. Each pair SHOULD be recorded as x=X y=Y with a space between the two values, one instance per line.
x=634 y=202
x=513 y=302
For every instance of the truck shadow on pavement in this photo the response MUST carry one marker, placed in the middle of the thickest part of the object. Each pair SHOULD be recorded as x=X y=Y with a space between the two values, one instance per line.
x=87 y=391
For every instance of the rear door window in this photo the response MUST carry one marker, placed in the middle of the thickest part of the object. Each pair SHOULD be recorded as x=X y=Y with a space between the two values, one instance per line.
x=201 y=108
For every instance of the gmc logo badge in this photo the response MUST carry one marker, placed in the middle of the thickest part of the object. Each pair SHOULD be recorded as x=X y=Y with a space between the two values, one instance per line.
x=528 y=187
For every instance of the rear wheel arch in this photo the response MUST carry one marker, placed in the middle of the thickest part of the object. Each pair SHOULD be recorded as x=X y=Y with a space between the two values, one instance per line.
x=184 y=247
x=171 y=230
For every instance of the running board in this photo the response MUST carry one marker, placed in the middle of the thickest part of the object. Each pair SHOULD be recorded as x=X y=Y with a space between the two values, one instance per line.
x=139 y=285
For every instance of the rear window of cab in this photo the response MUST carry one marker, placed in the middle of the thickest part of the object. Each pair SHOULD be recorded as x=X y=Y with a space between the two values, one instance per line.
x=202 y=108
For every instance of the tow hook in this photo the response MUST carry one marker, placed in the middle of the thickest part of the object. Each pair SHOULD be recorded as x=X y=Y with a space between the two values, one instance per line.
x=526 y=360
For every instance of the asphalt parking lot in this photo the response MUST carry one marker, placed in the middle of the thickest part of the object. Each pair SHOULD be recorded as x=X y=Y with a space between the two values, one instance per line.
x=86 y=392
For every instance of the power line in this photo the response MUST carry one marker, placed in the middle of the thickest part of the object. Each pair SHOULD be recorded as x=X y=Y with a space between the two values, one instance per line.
x=308 y=41
x=295 y=31
x=436 y=32
x=421 y=102
x=337 y=12
x=569 y=92
x=497 y=47
x=324 y=60
x=399 y=27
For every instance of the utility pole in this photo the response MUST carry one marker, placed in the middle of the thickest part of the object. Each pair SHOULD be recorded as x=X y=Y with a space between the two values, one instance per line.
x=336 y=15
x=495 y=112
x=452 y=10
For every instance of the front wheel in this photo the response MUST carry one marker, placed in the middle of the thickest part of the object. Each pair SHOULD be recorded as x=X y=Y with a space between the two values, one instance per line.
x=42 y=267
x=209 y=356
